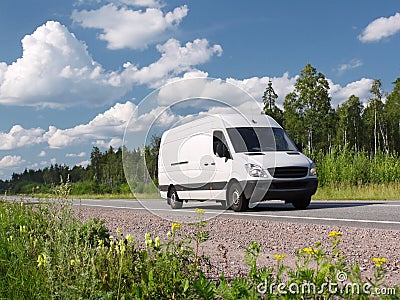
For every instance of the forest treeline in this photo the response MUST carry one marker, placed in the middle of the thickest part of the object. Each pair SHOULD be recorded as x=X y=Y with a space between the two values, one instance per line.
x=351 y=143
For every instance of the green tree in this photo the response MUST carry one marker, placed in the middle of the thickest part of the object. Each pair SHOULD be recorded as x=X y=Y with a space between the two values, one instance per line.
x=151 y=156
x=270 y=108
x=350 y=123
x=309 y=117
x=374 y=118
x=392 y=116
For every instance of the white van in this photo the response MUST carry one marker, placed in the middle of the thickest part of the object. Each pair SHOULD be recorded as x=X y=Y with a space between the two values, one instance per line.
x=236 y=160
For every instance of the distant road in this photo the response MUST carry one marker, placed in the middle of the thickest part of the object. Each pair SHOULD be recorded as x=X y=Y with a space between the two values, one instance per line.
x=363 y=214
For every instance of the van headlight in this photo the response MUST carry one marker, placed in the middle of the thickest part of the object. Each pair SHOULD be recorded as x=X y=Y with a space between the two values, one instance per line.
x=255 y=170
x=313 y=170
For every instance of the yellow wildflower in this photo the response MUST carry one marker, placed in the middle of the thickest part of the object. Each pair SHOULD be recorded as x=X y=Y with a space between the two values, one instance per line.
x=175 y=226
x=129 y=238
x=335 y=234
x=200 y=211
x=279 y=257
x=157 y=242
x=148 y=240
x=42 y=260
x=379 y=261
x=308 y=250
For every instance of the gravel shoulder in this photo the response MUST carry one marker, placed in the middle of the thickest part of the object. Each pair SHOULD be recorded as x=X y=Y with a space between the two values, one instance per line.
x=232 y=236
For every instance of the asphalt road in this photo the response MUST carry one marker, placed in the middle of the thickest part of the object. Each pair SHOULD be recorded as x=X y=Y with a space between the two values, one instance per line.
x=366 y=214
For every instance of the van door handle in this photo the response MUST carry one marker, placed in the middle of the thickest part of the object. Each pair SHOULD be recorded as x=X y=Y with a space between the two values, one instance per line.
x=206 y=164
x=213 y=163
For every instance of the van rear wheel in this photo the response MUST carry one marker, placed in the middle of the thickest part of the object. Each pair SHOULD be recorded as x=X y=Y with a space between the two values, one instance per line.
x=173 y=199
x=236 y=199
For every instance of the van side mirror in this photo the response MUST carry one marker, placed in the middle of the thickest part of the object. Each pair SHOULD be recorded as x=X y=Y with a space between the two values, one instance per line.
x=299 y=146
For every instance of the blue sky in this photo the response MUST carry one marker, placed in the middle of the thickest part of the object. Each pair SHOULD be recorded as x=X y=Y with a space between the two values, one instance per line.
x=72 y=73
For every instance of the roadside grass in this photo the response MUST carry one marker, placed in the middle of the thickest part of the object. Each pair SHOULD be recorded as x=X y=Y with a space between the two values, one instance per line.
x=47 y=253
x=388 y=191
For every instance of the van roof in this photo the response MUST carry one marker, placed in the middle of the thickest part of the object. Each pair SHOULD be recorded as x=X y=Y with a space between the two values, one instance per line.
x=225 y=120
x=241 y=120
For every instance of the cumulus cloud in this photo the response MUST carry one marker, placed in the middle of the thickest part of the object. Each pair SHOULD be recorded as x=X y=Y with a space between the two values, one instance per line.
x=19 y=137
x=83 y=164
x=231 y=91
x=136 y=3
x=104 y=126
x=142 y=3
x=57 y=71
x=174 y=60
x=114 y=142
x=80 y=154
x=360 y=88
x=10 y=161
x=126 y=28
x=380 y=28
x=42 y=153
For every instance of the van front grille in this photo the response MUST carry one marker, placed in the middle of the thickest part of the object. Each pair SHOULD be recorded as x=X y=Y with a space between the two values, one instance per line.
x=288 y=172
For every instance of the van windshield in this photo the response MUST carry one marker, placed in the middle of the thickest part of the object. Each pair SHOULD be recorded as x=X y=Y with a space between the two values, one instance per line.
x=260 y=139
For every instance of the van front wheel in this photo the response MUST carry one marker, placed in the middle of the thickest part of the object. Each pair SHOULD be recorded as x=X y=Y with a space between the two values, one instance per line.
x=173 y=199
x=236 y=199
x=302 y=203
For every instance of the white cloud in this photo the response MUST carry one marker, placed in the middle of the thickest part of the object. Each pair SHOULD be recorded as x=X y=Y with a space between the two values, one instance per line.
x=10 y=161
x=174 y=60
x=126 y=28
x=104 y=126
x=80 y=154
x=380 y=28
x=19 y=137
x=360 y=88
x=53 y=161
x=83 y=164
x=114 y=142
x=56 y=70
x=140 y=3
x=136 y=3
x=232 y=91
x=353 y=64
x=42 y=153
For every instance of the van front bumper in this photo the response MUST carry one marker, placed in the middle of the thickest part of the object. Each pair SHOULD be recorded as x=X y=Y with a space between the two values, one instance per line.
x=275 y=189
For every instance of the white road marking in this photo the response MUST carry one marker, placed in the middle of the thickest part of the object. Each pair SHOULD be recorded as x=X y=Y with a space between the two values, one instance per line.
x=249 y=214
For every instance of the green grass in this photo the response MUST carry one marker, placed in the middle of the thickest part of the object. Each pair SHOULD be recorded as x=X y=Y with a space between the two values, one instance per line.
x=389 y=191
x=46 y=253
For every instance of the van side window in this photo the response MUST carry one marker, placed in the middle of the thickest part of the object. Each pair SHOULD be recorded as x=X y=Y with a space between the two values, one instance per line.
x=219 y=143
